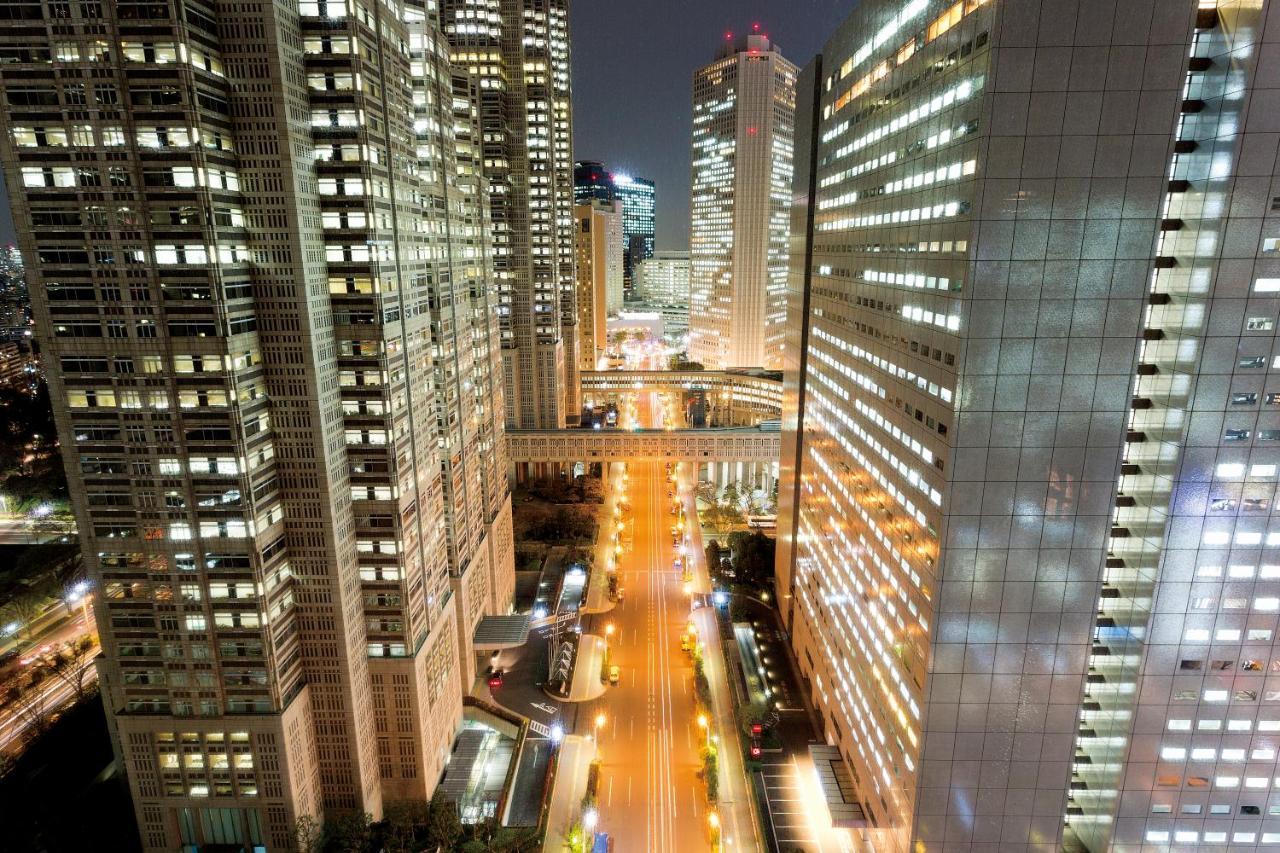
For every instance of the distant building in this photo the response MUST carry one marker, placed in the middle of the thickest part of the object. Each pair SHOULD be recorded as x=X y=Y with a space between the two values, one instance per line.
x=591 y=180
x=638 y=196
x=664 y=279
x=15 y=299
x=15 y=361
x=598 y=244
x=743 y=127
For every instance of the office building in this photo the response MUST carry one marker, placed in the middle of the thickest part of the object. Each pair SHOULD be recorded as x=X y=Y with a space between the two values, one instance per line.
x=260 y=272
x=1026 y=552
x=662 y=285
x=592 y=181
x=664 y=279
x=743 y=128
x=515 y=56
x=639 y=208
x=599 y=271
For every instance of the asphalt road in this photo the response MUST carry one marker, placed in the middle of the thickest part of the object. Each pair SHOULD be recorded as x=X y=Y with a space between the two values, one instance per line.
x=650 y=798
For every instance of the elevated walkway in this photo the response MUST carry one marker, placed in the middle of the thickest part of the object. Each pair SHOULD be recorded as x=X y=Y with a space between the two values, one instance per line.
x=737 y=444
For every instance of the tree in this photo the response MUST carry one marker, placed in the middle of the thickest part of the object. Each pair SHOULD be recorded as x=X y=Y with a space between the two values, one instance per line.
x=403 y=820
x=731 y=496
x=309 y=833
x=443 y=826
x=349 y=832
x=71 y=662
x=752 y=556
x=713 y=555
x=23 y=608
x=30 y=701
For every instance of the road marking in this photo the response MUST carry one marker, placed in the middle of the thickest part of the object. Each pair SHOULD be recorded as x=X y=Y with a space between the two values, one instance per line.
x=628 y=790
x=633 y=728
x=610 y=800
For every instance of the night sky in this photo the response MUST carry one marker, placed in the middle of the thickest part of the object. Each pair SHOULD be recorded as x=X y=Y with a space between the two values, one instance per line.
x=633 y=61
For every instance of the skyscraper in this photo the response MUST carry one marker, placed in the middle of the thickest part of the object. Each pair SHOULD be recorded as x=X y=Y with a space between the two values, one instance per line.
x=599 y=271
x=1026 y=553
x=260 y=271
x=592 y=181
x=743 y=128
x=639 y=205
x=516 y=55
x=664 y=279
x=639 y=209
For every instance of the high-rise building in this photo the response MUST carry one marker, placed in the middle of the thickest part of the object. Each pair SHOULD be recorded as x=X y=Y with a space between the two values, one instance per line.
x=260 y=271
x=599 y=271
x=743 y=128
x=515 y=53
x=664 y=279
x=639 y=217
x=592 y=181
x=1026 y=551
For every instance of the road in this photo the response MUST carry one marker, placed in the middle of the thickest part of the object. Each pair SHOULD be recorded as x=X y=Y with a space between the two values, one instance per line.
x=650 y=797
x=54 y=693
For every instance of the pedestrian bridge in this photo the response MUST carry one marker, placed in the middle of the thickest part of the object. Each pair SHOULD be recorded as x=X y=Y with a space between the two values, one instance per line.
x=754 y=389
x=737 y=444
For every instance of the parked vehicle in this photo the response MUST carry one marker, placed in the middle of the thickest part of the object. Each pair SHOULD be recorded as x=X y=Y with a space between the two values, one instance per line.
x=495 y=678
x=615 y=674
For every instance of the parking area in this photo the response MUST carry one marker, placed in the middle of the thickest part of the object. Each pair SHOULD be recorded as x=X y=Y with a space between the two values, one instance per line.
x=784 y=798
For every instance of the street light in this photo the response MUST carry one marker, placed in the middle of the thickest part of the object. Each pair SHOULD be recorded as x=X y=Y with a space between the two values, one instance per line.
x=608 y=630
x=589 y=818
x=713 y=819
x=702 y=721
x=557 y=733
x=600 y=720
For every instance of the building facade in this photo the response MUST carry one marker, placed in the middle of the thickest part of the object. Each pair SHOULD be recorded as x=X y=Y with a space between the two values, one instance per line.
x=259 y=260
x=664 y=279
x=515 y=54
x=639 y=212
x=599 y=271
x=1026 y=551
x=639 y=219
x=743 y=128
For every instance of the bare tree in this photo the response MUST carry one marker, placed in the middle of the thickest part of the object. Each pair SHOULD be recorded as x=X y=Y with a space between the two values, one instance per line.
x=71 y=663
x=23 y=608
x=29 y=701
x=309 y=833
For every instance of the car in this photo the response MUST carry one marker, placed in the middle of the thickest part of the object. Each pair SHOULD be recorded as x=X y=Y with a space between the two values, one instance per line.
x=615 y=673
x=756 y=747
x=495 y=678
x=678 y=562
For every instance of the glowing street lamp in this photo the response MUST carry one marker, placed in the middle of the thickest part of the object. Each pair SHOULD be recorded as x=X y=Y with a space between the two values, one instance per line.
x=608 y=630
x=600 y=720
x=702 y=722
x=589 y=819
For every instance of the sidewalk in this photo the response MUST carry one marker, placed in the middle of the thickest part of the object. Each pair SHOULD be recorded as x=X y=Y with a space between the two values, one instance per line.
x=576 y=754
x=597 y=598
x=740 y=828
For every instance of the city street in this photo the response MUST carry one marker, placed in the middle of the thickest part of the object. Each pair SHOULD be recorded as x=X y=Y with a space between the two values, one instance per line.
x=650 y=798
